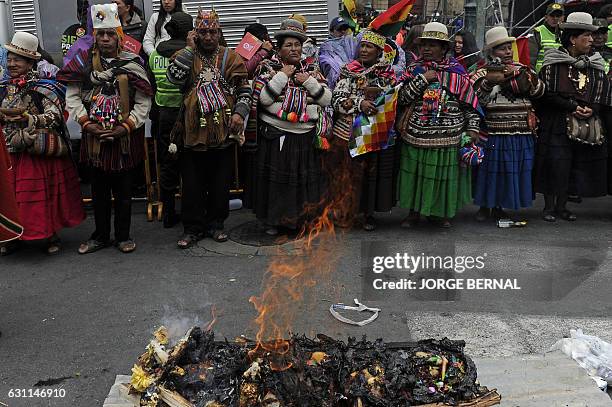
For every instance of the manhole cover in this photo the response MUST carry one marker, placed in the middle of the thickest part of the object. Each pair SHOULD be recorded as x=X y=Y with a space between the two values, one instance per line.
x=254 y=234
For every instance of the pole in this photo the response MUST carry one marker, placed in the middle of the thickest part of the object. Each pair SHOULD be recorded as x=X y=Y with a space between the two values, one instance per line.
x=481 y=20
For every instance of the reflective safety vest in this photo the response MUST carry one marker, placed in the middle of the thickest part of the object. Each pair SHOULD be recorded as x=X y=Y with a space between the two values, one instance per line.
x=167 y=95
x=548 y=40
x=609 y=43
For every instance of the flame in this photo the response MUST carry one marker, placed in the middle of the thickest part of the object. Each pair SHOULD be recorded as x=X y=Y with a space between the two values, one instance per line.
x=213 y=312
x=288 y=277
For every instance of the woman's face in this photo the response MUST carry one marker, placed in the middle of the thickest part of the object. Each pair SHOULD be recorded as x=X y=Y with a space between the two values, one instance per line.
x=432 y=50
x=504 y=52
x=291 y=51
x=18 y=65
x=599 y=38
x=169 y=5
x=368 y=53
x=458 y=44
x=582 y=43
x=122 y=9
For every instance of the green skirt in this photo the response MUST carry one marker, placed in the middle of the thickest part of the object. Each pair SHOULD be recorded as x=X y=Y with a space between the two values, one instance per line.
x=432 y=183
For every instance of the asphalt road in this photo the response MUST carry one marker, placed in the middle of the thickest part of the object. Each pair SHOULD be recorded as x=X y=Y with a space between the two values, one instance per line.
x=74 y=322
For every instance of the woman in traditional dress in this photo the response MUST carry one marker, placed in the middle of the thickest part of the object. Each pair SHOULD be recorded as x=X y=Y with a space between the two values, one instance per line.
x=505 y=89
x=575 y=114
x=363 y=183
x=439 y=106
x=44 y=178
x=288 y=164
x=109 y=95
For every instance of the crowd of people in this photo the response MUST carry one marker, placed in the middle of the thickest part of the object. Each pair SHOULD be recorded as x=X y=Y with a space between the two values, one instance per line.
x=358 y=125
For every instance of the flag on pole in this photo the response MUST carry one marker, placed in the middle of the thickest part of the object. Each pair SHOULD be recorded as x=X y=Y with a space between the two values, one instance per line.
x=520 y=50
x=390 y=22
x=349 y=13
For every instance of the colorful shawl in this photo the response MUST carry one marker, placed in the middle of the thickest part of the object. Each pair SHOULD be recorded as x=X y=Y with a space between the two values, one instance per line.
x=266 y=70
x=452 y=77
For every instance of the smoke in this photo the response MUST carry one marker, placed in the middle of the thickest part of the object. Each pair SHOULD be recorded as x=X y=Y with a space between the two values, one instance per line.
x=178 y=320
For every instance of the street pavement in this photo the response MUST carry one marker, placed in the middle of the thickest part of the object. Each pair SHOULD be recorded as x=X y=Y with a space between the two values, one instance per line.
x=75 y=322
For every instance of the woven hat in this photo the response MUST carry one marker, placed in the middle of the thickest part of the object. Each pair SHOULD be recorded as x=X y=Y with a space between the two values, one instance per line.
x=579 y=21
x=105 y=16
x=555 y=8
x=301 y=19
x=24 y=44
x=497 y=36
x=435 y=31
x=374 y=39
x=291 y=28
x=207 y=19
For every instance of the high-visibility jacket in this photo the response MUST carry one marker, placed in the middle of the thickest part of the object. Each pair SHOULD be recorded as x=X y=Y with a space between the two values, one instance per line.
x=167 y=95
x=609 y=43
x=548 y=39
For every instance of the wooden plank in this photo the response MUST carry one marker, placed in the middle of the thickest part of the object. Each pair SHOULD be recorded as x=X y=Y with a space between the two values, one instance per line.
x=173 y=399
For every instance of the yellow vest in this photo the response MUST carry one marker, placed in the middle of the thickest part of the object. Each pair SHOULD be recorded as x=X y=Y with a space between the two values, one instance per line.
x=609 y=43
x=548 y=39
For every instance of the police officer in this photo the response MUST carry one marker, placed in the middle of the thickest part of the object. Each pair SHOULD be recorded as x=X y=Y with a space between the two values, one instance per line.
x=545 y=35
x=599 y=41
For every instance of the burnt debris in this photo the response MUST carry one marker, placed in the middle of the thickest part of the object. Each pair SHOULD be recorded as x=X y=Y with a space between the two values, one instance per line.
x=303 y=372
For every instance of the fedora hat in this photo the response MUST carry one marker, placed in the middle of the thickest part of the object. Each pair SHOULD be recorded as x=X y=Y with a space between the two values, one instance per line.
x=291 y=28
x=24 y=44
x=497 y=36
x=579 y=21
x=435 y=31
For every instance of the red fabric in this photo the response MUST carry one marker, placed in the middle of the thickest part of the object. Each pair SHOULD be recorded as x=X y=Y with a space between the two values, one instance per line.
x=48 y=194
x=10 y=227
x=522 y=50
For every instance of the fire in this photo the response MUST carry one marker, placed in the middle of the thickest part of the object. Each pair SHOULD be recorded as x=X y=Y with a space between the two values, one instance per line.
x=213 y=321
x=288 y=277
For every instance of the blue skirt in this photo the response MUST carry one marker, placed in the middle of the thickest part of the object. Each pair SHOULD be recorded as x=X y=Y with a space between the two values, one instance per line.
x=504 y=176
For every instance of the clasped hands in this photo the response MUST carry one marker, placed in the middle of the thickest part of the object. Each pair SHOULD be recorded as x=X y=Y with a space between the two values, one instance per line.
x=290 y=70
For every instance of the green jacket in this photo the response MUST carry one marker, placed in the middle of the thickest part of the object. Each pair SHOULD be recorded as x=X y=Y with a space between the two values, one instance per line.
x=167 y=95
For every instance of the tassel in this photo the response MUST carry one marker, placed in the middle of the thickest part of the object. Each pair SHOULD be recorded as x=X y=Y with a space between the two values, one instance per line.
x=304 y=117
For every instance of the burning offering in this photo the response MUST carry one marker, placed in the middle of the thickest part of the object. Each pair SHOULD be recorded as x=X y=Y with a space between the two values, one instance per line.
x=201 y=372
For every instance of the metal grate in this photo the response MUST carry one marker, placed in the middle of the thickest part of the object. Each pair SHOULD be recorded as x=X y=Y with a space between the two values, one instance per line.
x=236 y=15
x=22 y=16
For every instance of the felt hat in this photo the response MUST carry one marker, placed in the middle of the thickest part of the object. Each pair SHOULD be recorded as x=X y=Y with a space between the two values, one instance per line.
x=435 y=31
x=579 y=21
x=497 y=36
x=24 y=44
x=291 y=28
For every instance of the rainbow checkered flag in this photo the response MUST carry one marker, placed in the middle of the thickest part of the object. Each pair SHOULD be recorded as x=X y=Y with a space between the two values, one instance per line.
x=375 y=133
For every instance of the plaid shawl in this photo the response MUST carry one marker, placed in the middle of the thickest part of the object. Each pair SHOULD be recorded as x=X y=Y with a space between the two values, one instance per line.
x=452 y=76
x=80 y=68
x=266 y=70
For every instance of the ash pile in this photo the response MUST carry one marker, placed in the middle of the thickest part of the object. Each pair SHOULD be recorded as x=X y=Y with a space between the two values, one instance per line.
x=322 y=372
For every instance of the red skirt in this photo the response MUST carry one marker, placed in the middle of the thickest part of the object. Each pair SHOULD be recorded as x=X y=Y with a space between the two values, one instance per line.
x=48 y=194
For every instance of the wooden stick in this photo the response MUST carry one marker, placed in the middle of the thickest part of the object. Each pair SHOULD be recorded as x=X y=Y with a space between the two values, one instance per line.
x=173 y=399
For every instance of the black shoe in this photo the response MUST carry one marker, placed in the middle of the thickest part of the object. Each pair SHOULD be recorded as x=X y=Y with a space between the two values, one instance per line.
x=574 y=198
x=483 y=214
x=498 y=213
x=566 y=215
x=171 y=219
x=549 y=216
x=369 y=224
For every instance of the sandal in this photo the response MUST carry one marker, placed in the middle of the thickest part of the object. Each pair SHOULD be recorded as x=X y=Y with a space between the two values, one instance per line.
x=127 y=246
x=369 y=224
x=92 y=245
x=410 y=221
x=567 y=215
x=482 y=214
x=218 y=236
x=53 y=245
x=549 y=216
x=186 y=241
x=9 y=248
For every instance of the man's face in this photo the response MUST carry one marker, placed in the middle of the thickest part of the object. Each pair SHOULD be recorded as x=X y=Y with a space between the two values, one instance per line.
x=554 y=19
x=600 y=38
x=107 y=41
x=432 y=50
x=208 y=39
x=339 y=31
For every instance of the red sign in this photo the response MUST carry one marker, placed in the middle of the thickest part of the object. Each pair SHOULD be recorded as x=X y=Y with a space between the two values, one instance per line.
x=248 y=46
x=132 y=45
